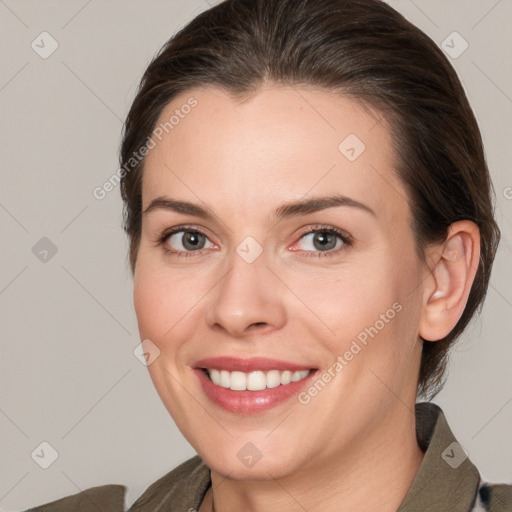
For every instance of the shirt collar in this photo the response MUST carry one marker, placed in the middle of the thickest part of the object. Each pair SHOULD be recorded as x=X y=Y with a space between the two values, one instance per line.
x=446 y=479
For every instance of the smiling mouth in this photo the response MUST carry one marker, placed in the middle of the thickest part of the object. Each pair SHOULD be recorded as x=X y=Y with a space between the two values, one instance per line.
x=255 y=380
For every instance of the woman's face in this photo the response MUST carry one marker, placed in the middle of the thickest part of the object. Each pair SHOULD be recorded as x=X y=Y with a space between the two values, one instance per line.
x=266 y=275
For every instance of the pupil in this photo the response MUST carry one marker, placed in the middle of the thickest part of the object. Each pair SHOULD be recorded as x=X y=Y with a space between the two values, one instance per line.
x=191 y=240
x=325 y=239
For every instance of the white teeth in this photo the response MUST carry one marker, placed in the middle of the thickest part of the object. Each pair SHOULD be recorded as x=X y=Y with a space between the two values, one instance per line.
x=215 y=375
x=273 y=379
x=238 y=381
x=286 y=377
x=225 y=379
x=256 y=380
x=296 y=376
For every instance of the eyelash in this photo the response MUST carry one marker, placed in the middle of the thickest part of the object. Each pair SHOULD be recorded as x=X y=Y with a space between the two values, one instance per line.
x=345 y=238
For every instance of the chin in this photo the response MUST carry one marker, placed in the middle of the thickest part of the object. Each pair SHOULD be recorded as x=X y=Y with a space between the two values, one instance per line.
x=247 y=462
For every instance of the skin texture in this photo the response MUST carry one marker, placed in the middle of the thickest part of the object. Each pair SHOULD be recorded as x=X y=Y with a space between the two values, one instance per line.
x=354 y=442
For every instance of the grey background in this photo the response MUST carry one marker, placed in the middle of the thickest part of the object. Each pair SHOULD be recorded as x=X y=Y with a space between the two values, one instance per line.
x=68 y=330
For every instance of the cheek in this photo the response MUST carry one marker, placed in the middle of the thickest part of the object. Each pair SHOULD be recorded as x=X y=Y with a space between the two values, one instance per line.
x=170 y=308
x=147 y=300
x=346 y=299
x=161 y=307
x=160 y=302
x=367 y=299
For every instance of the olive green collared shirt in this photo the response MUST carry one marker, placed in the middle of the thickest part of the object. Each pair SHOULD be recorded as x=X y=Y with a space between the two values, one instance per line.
x=446 y=481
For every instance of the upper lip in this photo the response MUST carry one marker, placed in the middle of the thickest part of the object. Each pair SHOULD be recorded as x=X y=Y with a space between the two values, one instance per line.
x=249 y=365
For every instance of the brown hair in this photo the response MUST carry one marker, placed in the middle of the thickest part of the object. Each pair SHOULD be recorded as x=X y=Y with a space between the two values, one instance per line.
x=361 y=48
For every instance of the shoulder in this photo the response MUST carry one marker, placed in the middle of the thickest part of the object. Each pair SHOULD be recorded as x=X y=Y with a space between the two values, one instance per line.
x=104 y=497
x=184 y=486
x=494 y=497
x=447 y=479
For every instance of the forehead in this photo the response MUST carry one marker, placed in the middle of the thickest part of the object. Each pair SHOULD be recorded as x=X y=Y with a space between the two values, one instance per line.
x=280 y=143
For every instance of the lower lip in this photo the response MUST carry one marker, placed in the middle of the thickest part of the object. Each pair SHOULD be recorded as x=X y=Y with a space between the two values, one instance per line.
x=250 y=402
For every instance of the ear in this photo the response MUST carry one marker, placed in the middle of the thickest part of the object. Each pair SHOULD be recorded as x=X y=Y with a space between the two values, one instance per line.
x=453 y=267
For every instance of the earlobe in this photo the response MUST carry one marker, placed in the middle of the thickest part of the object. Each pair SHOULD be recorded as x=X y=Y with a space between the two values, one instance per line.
x=451 y=277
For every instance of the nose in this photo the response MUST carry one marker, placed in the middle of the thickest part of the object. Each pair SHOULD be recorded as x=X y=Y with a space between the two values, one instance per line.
x=248 y=298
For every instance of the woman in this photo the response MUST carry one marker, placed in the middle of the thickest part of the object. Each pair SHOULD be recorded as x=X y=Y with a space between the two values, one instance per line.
x=311 y=228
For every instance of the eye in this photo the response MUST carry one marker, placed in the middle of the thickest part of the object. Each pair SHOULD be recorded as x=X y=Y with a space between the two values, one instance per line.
x=182 y=240
x=324 y=239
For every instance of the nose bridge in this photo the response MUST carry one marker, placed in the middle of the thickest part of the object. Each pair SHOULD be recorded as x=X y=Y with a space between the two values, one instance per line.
x=247 y=294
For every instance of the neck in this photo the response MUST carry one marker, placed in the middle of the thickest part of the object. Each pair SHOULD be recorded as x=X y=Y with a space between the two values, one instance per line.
x=374 y=474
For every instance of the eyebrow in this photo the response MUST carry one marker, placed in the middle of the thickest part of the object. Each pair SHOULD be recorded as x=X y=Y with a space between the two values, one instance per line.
x=286 y=210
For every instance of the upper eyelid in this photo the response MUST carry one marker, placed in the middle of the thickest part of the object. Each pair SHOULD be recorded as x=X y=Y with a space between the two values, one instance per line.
x=346 y=237
x=186 y=228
